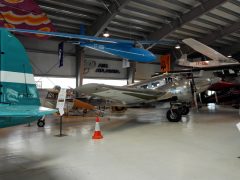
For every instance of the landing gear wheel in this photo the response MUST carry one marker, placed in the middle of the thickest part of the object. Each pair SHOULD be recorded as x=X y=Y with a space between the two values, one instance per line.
x=184 y=110
x=173 y=115
x=84 y=111
x=41 y=123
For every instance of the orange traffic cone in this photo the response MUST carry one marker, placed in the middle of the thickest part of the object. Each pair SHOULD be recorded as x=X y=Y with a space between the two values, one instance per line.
x=97 y=133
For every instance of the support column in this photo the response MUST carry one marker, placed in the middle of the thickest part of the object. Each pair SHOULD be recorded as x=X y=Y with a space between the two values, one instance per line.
x=131 y=73
x=79 y=65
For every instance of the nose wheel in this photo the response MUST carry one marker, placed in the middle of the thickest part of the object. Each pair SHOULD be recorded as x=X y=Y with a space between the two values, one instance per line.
x=174 y=114
x=41 y=122
x=184 y=110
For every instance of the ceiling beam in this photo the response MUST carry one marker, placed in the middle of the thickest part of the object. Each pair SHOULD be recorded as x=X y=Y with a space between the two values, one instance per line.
x=205 y=6
x=227 y=50
x=220 y=33
x=157 y=5
x=180 y=4
x=102 y=22
x=74 y=5
x=132 y=26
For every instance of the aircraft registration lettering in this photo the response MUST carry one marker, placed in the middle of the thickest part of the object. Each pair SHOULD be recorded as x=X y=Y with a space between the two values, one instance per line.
x=99 y=46
x=11 y=95
x=202 y=63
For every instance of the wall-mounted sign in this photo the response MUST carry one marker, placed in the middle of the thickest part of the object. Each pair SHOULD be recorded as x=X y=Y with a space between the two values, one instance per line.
x=100 y=68
x=125 y=63
x=103 y=68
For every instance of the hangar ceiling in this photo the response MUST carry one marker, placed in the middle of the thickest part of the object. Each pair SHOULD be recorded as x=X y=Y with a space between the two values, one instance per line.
x=213 y=22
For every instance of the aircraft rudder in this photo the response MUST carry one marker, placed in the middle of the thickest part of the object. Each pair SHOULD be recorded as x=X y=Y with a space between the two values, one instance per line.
x=183 y=60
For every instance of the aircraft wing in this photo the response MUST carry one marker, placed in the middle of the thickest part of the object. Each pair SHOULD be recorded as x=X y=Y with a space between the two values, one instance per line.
x=118 y=47
x=91 y=38
x=205 y=50
x=73 y=36
x=123 y=95
x=155 y=78
x=221 y=85
x=27 y=110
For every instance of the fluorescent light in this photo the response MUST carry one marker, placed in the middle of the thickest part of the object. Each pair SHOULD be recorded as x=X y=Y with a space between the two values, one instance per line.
x=229 y=56
x=177 y=46
x=106 y=33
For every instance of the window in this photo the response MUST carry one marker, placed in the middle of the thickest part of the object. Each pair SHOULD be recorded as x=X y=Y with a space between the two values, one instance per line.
x=50 y=82
x=106 y=81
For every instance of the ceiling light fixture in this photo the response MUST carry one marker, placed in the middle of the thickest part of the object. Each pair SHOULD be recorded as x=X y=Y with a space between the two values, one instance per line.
x=106 y=33
x=177 y=46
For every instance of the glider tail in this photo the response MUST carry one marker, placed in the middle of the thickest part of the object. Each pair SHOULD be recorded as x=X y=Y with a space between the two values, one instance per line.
x=183 y=61
x=17 y=85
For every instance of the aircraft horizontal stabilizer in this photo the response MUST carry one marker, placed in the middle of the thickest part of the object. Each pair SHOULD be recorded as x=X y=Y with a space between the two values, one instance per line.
x=27 y=110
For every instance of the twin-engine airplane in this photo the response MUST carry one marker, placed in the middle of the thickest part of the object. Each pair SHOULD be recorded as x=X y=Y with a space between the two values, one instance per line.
x=122 y=48
x=216 y=58
x=131 y=96
x=19 y=99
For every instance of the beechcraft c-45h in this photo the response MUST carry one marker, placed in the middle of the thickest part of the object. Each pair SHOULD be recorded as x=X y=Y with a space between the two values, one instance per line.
x=181 y=89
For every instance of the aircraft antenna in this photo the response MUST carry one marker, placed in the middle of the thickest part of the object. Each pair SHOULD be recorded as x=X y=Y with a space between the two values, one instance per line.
x=25 y=80
x=1 y=53
x=0 y=80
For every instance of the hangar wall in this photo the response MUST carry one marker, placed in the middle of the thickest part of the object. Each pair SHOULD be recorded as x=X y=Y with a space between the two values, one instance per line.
x=144 y=71
x=44 y=58
x=47 y=65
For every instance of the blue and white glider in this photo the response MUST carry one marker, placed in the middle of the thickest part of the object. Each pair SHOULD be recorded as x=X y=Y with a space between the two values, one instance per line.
x=122 y=48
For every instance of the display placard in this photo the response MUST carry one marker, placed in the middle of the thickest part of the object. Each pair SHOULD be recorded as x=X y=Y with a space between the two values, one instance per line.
x=61 y=100
x=238 y=126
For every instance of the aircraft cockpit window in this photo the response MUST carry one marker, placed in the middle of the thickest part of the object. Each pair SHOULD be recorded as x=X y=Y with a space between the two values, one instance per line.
x=168 y=80
x=155 y=84
x=144 y=86
x=51 y=95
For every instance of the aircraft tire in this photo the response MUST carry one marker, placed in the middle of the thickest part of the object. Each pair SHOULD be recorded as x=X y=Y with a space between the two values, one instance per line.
x=174 y=115
x=41 y=123
x=84 y=111
x=184 y=110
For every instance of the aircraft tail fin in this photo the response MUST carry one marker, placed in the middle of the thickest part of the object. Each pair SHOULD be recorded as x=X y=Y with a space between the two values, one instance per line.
x=206 y=50
x=17 y=85
x=183 y=61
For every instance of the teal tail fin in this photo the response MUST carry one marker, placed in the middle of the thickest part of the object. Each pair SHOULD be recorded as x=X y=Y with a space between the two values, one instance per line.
x=17 y=85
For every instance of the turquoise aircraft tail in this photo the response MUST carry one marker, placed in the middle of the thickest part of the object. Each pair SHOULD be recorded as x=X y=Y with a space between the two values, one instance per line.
x=19 y=99
x=16 y=78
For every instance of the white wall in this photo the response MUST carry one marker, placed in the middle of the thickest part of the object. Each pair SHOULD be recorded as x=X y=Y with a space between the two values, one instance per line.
x=47 y=65
x=145 y=71
x=44 y=58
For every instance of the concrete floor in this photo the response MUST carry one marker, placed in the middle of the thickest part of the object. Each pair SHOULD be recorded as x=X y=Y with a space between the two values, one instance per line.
x=138 y=145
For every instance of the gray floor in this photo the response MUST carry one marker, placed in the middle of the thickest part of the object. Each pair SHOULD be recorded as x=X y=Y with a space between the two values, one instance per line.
x=138 y=145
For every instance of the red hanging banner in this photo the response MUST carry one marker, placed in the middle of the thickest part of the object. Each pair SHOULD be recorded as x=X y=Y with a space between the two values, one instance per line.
x=165 y=65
